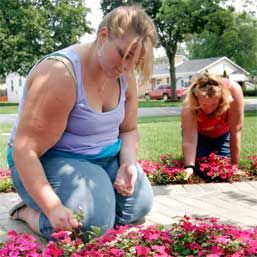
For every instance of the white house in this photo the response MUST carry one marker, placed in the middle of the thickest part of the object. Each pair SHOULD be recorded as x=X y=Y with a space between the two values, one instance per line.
x=216 y=65
x=14 y=83
x=186 y=70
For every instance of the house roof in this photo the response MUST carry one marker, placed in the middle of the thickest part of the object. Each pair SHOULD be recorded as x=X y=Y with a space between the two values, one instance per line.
x=199 y=65
x=161 y=69
x=193 y=66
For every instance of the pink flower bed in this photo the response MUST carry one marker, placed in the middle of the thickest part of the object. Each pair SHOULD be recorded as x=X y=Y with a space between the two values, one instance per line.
x=212 y=168
x=4 y=174
x=187 y=237
x=166 y=171
x=170 y=171
x=216 y=167
x=5 y=180
x=253 y=159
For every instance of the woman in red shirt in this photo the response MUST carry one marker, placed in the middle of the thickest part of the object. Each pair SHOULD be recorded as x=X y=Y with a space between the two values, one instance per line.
x=212 y=118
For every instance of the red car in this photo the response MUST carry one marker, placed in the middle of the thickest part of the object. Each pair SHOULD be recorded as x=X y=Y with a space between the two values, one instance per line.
x=181 y=92
x=161 y=92
x=164 y=92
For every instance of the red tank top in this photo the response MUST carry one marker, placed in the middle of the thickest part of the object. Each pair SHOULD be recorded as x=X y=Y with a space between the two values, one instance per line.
x=213 y=126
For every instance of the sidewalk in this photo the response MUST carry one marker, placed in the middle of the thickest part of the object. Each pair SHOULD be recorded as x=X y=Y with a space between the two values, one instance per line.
x=235 y=204
x=250 y=105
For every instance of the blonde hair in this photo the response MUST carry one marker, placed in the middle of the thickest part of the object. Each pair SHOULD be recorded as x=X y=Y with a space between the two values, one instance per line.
x=133 y=19
x=209 y=85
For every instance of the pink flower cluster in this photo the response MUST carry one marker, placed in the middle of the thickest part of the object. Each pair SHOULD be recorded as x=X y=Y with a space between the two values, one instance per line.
x=4 y=174
x=6 y=183
x=253 y=159
x=166 y=171
x=203 y=237
x=20 y=245
x=216 y=167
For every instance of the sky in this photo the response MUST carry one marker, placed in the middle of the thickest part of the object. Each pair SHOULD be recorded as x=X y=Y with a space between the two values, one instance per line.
x=95 y=18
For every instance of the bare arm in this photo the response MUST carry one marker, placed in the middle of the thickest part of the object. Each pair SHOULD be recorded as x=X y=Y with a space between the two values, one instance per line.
x=50 y=98
x=127 y=173
x=236 y=119
x=128 y=128
x=189 y=136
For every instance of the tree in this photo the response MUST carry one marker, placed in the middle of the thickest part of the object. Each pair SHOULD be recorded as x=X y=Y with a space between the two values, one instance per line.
x=239 y=43
x=30 y=29
x=175 y=19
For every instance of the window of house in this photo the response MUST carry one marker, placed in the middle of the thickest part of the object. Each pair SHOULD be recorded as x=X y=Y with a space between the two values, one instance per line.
x=168 y=80
x=190 y=79
x=12 y=88
x=20 y=82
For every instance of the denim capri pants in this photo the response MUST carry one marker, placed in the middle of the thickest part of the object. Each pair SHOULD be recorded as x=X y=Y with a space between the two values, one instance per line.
x=219 y=145
x=85 y=184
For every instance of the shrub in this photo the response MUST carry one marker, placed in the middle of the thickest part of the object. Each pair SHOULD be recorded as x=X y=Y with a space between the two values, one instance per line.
x=6 y=183
x=253 y=159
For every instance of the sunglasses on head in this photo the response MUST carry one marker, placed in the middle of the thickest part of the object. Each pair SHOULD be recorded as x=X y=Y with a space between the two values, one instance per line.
x=208 y=83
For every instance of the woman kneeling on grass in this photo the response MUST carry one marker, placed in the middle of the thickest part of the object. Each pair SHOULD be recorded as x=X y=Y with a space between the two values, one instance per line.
x=74 y=142
x=212 y=118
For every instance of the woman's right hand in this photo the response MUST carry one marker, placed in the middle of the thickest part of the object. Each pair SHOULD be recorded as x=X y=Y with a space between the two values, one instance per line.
x=62 y=218
x=189 y=172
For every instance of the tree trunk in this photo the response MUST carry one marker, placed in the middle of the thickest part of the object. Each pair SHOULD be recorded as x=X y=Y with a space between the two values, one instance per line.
x=171 y=53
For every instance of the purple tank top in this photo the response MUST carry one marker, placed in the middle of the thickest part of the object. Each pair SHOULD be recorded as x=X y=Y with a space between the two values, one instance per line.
x=88 y=132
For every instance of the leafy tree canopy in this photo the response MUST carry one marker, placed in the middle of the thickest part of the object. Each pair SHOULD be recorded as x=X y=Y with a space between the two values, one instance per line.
x=30 y=29
x=175 y=19
x=238 y=42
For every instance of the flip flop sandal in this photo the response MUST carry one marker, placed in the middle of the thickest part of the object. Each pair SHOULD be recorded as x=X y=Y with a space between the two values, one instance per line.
x=15 y=209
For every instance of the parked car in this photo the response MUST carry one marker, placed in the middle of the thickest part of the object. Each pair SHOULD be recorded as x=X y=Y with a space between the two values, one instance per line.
x=161 y=92
x=181 y=92
x=164 y=92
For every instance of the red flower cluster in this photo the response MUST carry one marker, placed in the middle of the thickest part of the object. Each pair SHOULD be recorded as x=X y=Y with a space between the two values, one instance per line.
x=203 y=237
x=253 y=159
x=216 y=167
x=5 y=173
x=5 y=180
x=20 y=245
x=164 y=172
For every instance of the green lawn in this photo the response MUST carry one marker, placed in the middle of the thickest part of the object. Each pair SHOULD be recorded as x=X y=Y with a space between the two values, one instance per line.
x=163 y=135
x=157 y=103
x=13 y=108
x=8 y=108
x=250 y=97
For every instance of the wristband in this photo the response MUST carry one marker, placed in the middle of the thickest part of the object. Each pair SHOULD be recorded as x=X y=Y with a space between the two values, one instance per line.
x=190 y=166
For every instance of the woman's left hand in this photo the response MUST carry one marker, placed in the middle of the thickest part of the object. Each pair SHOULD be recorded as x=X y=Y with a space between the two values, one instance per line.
x=126 y=179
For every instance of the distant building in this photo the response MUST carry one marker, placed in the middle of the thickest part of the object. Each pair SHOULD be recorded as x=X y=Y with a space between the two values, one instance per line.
x=161 y=74
x=218 y=65
x=186 y=70
x=3 y=93
x=14 y=84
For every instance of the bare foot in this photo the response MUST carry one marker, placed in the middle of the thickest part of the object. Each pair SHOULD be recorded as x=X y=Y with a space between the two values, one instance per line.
x=15 y=215
x=29 y=216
